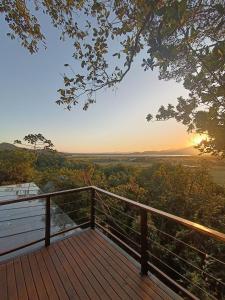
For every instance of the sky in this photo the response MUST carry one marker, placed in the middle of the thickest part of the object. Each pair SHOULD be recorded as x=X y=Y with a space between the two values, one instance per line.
x=116 y=123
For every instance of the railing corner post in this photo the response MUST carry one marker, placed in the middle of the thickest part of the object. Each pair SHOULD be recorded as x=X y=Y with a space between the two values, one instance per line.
x=144 y=243
x=47 y=221
x=92 y=221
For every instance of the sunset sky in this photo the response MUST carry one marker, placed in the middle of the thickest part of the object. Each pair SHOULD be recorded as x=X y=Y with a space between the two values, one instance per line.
x=116 y=123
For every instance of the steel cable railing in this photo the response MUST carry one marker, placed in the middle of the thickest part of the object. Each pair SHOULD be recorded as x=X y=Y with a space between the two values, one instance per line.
x=187 y=262
x=190 y=246
x=208 y=275
x=137 y=246
x=117 y=221
x=20 y=218
x=21 y=232
x=22 y=207
x=39 y=215
x=119 y=225
x=113 y=208
x=18 y=215
x=113 y=229
x=182 y=276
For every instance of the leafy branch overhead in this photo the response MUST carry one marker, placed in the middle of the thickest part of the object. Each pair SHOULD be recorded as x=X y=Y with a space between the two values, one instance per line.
x=183 y=39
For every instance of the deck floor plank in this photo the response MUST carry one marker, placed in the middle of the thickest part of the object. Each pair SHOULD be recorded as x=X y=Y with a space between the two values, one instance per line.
x=89 y=276
x=135 y=290
x=82 y=266
x=54 y=275
x=52 y=294
x=62 y=274
x=11 y=281
x=94 y=268
x=76 y=268
x=125 y=290
x=106 y=273
x=40 y=287
x=81 y=292
x=144 y=283
x=3 y=282
x=28 y=278
x=21 y=286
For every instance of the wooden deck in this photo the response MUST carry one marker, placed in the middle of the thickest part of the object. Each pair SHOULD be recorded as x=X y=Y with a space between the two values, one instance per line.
x=84 y=266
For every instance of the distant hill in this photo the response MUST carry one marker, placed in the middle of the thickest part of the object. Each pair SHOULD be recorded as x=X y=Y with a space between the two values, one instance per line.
x=7 y=146
x=183 y=151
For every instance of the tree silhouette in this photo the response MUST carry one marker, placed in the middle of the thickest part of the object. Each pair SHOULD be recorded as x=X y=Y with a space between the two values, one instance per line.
x=36 y=142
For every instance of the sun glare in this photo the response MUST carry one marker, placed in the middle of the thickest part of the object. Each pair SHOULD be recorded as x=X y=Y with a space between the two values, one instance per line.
x=197 y=138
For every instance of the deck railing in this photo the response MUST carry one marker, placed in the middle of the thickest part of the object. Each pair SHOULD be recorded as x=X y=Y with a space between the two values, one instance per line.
x=48 y=235
x=105 y=207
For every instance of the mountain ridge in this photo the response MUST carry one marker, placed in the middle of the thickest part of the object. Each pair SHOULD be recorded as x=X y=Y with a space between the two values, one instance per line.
x=7 y=146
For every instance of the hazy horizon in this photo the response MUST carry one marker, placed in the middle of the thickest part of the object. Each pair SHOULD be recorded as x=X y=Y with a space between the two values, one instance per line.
x=189 y=148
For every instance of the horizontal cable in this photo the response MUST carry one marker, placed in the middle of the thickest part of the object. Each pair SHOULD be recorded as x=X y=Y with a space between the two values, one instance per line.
x=185 y=278
x=72 y=227
x=65 y=212
x=44 y=196
x=172 y=282
x=119 y=232
x=18 y=233
x=107 y=223
x=117 y=221
x=121 y=243
x=65 y=203
x=187 y=262
x=86 y=217
x=85 y=224
x=13 y=208
x=26 y=217
x=119 y=211
x=41 y=228
x=190 y=246
x=55 y=214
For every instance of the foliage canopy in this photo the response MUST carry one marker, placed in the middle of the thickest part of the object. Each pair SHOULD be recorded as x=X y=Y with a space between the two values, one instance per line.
x=183 y=39
x=176 y=188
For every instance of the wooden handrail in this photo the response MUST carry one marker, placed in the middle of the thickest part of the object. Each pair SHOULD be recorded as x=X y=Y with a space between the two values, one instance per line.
x=197 y=227
x=47 y=198
x=44 y=196
x=142 y=256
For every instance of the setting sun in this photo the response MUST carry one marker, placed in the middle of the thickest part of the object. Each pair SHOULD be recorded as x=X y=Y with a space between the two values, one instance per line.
x=198 y=138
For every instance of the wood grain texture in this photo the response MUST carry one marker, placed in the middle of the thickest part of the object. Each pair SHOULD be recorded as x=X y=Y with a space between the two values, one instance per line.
x=83 y=266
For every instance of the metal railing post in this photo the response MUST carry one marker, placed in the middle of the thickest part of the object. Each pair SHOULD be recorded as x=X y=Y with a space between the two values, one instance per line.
x=144 y=245
x=47 y=221
x=92 y=221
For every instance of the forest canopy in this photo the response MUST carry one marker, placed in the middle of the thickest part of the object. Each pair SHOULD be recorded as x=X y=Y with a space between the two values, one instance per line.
x=175 y=188
x=183 y=39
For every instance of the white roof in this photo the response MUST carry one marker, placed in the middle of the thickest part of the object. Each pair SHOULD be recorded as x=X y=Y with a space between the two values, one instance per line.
x=23 y=222
x=18 y=190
